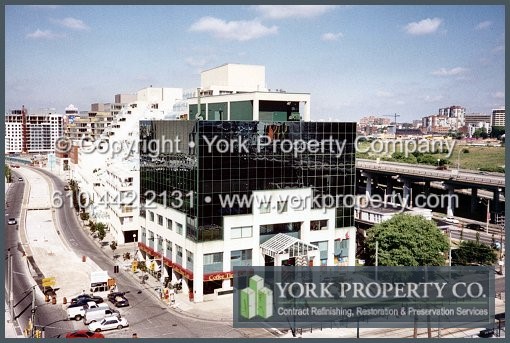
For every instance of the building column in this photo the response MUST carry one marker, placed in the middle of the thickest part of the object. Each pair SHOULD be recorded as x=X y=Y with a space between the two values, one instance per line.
x=306 y=111
x=228 y=110
x=255 y=114
x=474 y=199
x=451 y=194
x=198 y=274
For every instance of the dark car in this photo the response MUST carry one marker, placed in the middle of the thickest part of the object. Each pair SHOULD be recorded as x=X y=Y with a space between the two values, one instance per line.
x=66 y=188
x=118 y=299
x=443 y=167
x=87 y=297
x=474 y=227
x=84 y=334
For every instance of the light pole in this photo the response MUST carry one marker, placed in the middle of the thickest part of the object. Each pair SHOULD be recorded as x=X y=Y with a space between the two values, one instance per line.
x=134 y=242
x=438 y=160
x=488 y=215
x=458 y=158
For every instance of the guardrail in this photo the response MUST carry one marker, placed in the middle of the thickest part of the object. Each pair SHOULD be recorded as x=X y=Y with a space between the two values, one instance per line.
x=444 y=175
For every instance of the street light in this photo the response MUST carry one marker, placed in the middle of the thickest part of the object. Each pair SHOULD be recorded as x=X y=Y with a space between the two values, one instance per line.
x=488 y=214
x=134 y=241
x=438 y=160
x=458 y=158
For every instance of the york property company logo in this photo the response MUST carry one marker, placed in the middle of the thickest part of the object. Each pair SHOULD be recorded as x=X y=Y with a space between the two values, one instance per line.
x=256 y=299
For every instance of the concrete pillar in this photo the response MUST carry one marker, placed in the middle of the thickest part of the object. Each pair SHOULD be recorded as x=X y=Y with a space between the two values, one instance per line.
x=495 y=203
x=474 y=199
x=368 y=188
x=451 y=194
x=389 y=190
x=228 y=110
x=306 y=111
x=427 y=188
x=407 y=196
x=256 y=107
x=198 y=274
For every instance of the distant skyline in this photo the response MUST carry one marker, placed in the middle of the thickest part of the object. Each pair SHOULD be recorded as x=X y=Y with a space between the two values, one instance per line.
x=354 y=60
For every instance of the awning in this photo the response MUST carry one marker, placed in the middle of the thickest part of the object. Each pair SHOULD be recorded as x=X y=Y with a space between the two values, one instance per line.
x=283 y=244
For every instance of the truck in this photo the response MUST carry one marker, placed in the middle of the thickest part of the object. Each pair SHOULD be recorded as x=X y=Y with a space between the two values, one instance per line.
x=77 y=313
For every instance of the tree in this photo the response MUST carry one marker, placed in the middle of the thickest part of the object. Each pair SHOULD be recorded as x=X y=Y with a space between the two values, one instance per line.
x=7 y=172
x=481 y=132
x=474 y=252
x=101 y=231
x=407 y=240
x=497 y=131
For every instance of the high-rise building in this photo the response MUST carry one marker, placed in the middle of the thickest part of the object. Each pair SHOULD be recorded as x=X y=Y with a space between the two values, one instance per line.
x=220 y=194
x=498 y=117
x=32 y=132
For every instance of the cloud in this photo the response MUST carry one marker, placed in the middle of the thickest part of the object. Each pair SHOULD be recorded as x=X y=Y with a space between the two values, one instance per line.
x=329 y=36
x=423 y=27
x=293 y=11
x=195 y=61
x=433 y=98
x=71 y=23
x=241 y=30
x=383 y=94
x=498 y=95
x=499 y=48
x=46 y=34
x=450 y=72
x=483 y=25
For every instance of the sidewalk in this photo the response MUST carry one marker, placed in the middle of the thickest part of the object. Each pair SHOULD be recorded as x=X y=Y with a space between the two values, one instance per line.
x=219 y=310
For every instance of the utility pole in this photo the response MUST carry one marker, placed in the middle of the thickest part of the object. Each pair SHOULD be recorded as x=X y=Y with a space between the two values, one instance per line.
x=33 y=312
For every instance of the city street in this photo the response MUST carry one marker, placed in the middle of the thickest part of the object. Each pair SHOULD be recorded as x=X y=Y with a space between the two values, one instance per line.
x=147 y=316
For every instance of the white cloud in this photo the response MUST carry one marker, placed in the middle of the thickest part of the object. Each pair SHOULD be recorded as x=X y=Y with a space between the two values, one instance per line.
x=293 y=11
x=71 y=23
x=498 y=95
x=195 y=61
x=423 y=27
x=330 y=36
x=499 y=48
x=383 y=94
x=241 y=30
x=46 y=34
x=450 y=72
x=433 y=98
x=483 y=25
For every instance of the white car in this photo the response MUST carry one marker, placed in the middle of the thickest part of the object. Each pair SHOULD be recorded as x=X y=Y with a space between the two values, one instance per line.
x=109 y=323
x=451 y=220
x=12 y=221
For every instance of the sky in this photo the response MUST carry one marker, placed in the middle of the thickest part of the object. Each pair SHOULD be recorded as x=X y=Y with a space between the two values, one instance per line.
x=353 y=60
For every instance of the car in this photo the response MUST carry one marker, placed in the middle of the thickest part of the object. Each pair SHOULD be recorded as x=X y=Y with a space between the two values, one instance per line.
x=20 y=179
x=109 y=323
x=86 y=298
x=66 y=188
x=12 y=221
x=443 y=167
x=111 y=296
x=474 y=226
x=120 y=301
x=451 y=220
x=84 y=334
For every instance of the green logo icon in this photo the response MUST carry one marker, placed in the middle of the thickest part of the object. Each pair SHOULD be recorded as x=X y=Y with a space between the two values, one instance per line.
x=256 y=299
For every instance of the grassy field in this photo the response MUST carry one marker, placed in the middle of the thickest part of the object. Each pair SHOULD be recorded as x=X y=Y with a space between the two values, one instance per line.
x=473 y=157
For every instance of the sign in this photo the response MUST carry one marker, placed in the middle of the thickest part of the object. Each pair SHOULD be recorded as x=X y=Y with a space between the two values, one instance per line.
x=48 y=282
x=218 y=276
x=184 y=272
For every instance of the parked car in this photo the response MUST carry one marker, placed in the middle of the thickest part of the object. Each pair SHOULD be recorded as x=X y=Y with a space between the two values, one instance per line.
x=118 y=299
x=97 y=314
x=84 y=334
x=12 y=221
x=443 y=167
x=78 y=312
x=474 y=226
x=87 y=297
x=451 y=220
x=20 y=179
x=66 y=188
x=109 y=323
